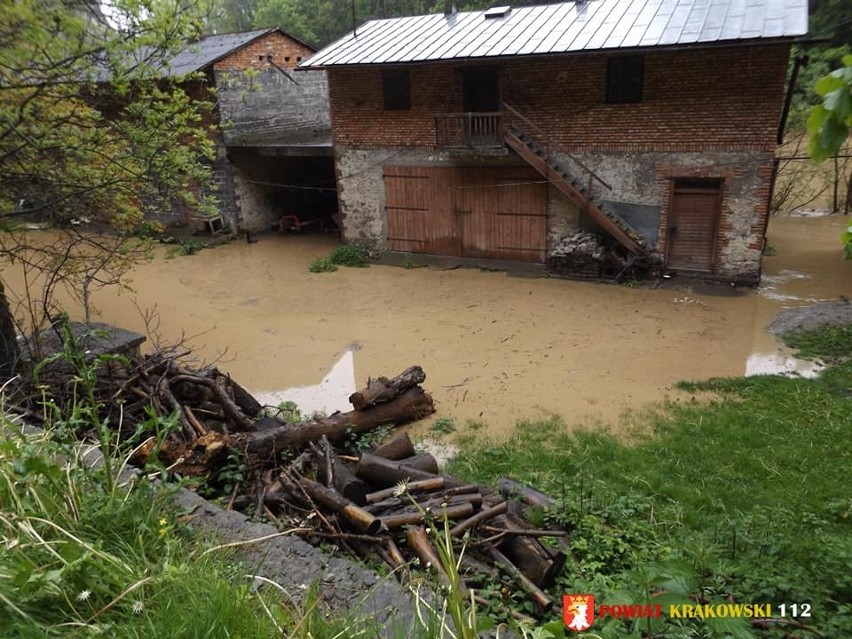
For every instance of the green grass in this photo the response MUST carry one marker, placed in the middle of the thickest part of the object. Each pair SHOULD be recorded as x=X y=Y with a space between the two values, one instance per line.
x=748 y=495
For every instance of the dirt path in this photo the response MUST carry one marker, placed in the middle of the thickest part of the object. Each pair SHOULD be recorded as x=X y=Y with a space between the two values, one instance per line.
x=494 y=348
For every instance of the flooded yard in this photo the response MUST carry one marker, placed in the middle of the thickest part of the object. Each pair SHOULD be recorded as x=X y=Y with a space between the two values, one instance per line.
x=494 y=348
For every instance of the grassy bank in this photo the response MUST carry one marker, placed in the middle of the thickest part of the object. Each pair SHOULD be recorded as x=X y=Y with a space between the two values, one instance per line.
x=746 y=497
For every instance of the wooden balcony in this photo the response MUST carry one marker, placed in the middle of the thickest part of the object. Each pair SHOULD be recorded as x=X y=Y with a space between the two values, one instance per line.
x=469 y=130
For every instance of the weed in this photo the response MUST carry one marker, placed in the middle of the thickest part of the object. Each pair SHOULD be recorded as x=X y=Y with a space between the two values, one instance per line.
x=369 y=440
x=184 y=247
x=322 y=265
x=443 y=426
x=770 y=251
x=350 y=255
x=406 y=262
x=289 y=412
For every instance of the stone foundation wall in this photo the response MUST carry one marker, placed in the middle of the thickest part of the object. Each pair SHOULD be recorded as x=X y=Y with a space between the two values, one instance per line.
x=643 y=178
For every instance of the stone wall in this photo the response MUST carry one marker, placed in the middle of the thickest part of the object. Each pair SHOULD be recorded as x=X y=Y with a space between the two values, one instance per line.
x=262 y=98
x=269 y=106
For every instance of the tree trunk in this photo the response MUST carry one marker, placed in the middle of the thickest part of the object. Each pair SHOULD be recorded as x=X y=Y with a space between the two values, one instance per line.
x=9 y=352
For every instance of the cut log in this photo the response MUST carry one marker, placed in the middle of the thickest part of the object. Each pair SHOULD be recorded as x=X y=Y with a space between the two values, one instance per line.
x=264 y=445
x=399 y=447
x=379 y=471
x=425 y=462
x=544 y=602
x=344 y=482
x=478 y=518
x=345 y=509
x=528 y=554
x=419 y=542
x=382 y=389
x=512 y=488
x=415 y=487
x=455 y=511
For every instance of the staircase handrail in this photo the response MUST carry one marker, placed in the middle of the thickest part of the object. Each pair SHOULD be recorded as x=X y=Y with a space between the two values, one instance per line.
x=544 y=139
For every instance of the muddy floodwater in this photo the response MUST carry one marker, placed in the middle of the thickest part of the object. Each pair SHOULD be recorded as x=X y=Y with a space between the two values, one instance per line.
x=495 y=348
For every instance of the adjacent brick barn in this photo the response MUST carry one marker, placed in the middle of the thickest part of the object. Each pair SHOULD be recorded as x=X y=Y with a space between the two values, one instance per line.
x=500 y=133
x=274 y=153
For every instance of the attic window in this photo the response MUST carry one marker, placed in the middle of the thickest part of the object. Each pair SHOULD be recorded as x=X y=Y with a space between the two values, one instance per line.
x=497 y=12
x=396 y=86
x=624 y=79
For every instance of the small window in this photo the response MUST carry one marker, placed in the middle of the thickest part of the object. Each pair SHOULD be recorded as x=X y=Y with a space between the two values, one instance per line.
x=396 y=86
x=298 y=58
x=286 y=58
x=624 y=79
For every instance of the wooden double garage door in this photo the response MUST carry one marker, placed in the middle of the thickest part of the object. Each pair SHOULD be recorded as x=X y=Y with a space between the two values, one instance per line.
x=493 y=212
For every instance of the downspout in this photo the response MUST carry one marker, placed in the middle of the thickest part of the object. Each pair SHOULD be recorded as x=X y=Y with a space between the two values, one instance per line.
x=798 y=62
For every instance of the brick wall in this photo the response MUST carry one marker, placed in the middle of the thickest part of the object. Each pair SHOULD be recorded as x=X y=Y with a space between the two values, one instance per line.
x=285 y=52
x=712 y=98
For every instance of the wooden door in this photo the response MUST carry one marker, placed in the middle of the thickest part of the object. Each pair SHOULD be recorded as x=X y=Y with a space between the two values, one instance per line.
x=485 y=212
x=419 y=209
x=693 y=224
x=502 y=213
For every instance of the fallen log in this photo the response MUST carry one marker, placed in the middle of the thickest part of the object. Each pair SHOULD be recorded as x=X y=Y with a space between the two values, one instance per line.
x=398 y=447
x=264 y=445
x=382 y=389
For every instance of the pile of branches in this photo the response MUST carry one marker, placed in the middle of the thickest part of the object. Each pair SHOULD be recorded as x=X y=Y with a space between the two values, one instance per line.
x=312 y=475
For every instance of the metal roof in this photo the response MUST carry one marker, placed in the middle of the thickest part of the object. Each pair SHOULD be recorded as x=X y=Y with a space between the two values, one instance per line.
x=564 y=28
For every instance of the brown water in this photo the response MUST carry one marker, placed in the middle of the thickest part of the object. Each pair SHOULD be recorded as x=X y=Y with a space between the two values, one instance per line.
x=494 y=348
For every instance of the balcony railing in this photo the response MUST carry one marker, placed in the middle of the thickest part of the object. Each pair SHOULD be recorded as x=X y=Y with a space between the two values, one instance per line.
x=474 y=130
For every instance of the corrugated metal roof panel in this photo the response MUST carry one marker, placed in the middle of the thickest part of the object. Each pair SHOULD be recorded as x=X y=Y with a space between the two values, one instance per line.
x=564 y=28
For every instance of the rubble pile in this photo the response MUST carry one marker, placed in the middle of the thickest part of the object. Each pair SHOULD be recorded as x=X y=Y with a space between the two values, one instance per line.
x=579 y=254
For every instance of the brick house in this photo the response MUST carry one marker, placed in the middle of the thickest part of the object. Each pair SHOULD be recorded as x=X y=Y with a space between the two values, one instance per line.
x=274 y=148
x=498 y=133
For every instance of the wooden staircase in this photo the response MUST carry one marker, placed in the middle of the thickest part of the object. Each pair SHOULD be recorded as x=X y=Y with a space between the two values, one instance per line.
x=538 y=155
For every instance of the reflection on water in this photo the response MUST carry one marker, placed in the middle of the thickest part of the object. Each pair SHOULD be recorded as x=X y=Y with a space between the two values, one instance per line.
x=780 y=364
x=330 y=395
x=495 y=349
